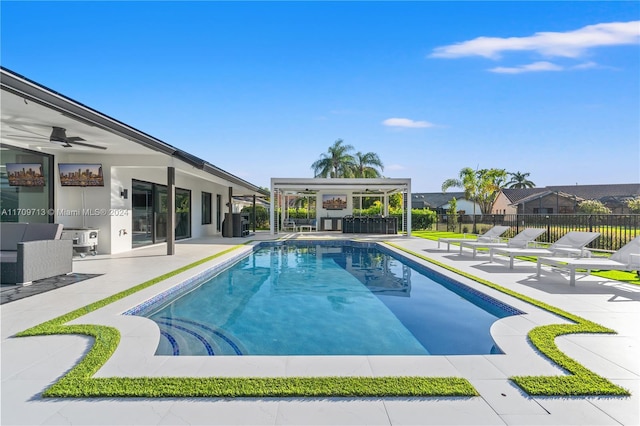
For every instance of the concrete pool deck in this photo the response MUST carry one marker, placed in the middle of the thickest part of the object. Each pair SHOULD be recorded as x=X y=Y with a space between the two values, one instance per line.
x=31 y=364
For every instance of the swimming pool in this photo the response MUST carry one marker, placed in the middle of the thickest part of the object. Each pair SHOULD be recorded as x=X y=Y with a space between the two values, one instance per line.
x=324 y=298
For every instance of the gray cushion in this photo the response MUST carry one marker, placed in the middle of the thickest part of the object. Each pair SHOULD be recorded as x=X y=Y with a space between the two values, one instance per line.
x=11 y=234
x=42 y=231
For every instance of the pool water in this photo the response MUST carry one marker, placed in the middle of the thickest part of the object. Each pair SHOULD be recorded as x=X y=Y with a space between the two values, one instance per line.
x=315 y=299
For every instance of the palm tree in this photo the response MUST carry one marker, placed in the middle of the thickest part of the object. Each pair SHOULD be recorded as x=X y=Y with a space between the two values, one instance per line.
x=480 y=186
x=519 y=180
x=366 y=165
x=468 y=181
x=337 y=162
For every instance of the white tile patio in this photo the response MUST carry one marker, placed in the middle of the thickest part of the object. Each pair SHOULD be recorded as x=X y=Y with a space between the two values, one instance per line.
x=30 y=365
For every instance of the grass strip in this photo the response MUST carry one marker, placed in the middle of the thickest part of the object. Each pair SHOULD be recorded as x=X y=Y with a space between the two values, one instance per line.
x=79 y=381
x=582 y=381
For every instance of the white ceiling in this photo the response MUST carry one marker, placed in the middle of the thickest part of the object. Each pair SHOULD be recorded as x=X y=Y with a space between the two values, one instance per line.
x=27 y=124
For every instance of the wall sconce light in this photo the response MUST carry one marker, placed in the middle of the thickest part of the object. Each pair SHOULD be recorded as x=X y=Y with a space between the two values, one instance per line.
x=124 y=193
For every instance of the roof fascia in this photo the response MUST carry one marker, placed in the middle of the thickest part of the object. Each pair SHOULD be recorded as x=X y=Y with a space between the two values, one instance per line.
x=34 y=92
x=37 y=93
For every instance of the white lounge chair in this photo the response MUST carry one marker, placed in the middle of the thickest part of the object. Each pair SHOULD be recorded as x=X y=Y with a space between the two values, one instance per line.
x=571 y=244
x=627 y=258
x=521 y=240
x=491 y=236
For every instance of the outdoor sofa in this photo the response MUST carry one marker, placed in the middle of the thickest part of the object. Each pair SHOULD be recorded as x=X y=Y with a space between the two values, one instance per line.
x=33 y=251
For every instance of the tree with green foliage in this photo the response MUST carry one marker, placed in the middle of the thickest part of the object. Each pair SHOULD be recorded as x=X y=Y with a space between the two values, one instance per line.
x=593 y=207
x=395 y=200
x=480 y=186
x=452 y=215
x=634 y=205
x=366 y=165
x=520 y=180
x=337 y=162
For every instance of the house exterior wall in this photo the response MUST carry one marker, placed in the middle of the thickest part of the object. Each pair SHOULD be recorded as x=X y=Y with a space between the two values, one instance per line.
x=104 y=208
x=502 y=205
x=466 y=206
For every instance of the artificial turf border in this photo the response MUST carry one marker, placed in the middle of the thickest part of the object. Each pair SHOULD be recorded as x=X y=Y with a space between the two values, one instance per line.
x=79 y=383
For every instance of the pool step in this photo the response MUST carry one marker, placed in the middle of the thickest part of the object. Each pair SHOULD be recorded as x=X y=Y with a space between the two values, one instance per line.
x=181 y=336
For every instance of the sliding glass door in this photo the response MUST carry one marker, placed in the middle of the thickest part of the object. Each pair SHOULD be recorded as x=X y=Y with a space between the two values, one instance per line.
x=149 y=205
x=142 y=207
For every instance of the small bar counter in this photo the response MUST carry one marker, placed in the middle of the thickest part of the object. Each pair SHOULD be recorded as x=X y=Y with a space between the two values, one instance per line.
x=369 y=225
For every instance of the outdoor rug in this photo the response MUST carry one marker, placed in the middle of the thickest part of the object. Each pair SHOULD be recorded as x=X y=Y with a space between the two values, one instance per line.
x=11 y=292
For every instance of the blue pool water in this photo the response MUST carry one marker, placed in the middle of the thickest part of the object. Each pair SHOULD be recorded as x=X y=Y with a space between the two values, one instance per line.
x=315 y=299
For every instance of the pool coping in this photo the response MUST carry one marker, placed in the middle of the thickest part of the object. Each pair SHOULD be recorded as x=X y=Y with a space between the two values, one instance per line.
x=139 y=337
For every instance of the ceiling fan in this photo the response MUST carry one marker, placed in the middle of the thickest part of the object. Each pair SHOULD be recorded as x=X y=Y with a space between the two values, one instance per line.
x=59 y=137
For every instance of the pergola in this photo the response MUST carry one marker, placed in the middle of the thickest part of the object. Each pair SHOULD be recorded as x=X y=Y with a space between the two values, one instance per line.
x=281 y=188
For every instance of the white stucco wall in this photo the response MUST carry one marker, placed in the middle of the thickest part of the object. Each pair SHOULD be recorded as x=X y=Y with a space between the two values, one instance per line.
x=108 y=211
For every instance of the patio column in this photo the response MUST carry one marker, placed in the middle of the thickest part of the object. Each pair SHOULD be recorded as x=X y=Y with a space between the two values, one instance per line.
x=171 y=211
x=409 y=209
x=254 y=213
x=272 y=211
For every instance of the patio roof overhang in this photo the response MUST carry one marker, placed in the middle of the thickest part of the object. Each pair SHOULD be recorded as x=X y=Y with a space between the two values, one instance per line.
x=382 y=186
x=357 y=186
x=29 y=111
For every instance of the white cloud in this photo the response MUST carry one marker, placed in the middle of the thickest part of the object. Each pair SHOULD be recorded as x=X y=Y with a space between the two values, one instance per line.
x=586 y=65
x=570 y=44
x=406 y=122
x=535 y=67
x=541 y=66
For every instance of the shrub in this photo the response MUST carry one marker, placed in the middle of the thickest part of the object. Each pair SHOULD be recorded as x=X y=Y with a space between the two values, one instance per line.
x=593 y=207
x=634 y=205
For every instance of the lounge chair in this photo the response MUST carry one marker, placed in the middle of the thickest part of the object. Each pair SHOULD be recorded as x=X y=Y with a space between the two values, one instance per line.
x=491 y=236
x=289 y=225
x=571 y=244
x=627 y=258
x=522 y=240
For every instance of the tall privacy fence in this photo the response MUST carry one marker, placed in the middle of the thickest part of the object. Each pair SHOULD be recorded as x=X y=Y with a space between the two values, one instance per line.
x=615 y=230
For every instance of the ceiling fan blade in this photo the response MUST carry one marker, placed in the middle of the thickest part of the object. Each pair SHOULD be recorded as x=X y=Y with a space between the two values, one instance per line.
x=74 y=139
x=83 y=144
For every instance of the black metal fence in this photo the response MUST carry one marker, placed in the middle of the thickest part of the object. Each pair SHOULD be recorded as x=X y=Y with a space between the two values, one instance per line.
x=615 y=230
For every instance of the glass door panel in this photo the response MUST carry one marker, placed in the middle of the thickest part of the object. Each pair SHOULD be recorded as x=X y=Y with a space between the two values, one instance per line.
x=161 y=213
x=183 y=213
x=142 y=218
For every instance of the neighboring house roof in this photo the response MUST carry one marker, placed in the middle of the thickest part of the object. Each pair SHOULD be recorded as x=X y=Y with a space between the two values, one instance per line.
x=597 y=192
x=435 y=200
x=517 y=194
x=617 y=193
x=543 y=194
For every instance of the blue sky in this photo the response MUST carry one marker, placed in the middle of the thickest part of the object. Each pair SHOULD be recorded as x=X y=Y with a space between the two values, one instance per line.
x=262 y=89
